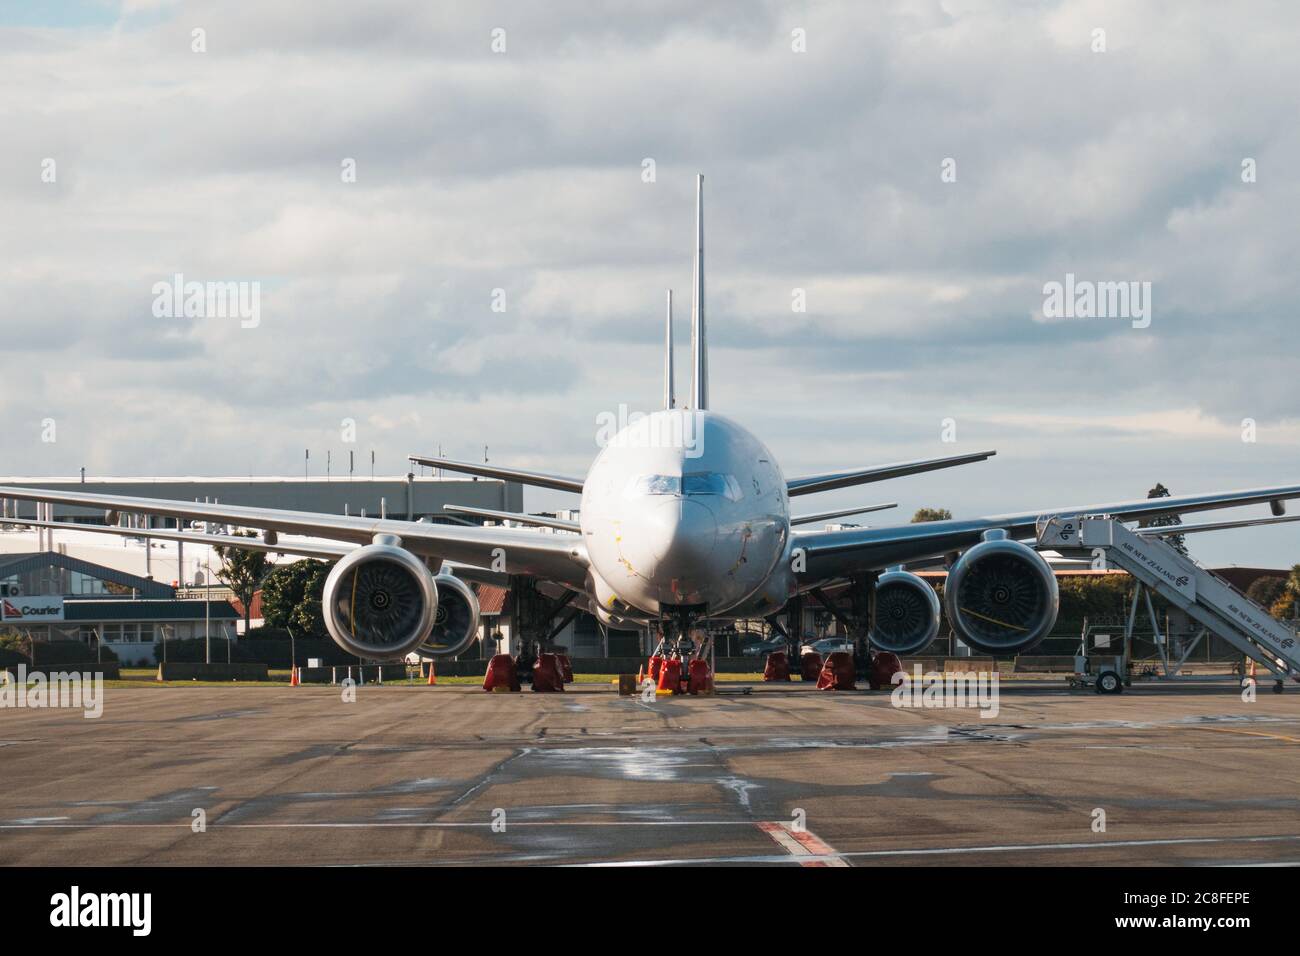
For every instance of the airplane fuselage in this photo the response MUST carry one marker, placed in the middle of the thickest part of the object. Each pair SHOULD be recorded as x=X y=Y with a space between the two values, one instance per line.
x=684 y=509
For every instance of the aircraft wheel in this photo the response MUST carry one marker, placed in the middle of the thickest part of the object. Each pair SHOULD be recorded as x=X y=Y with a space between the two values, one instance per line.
x=1277 y=687
x=1108 y=682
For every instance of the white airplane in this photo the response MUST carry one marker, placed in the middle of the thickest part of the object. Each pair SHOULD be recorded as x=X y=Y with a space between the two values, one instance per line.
x=685 y=518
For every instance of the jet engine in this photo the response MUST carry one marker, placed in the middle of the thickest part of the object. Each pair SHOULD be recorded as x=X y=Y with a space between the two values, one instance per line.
x=380 y=602
x=455 y=622
x=907 y=613
x=1001 y=596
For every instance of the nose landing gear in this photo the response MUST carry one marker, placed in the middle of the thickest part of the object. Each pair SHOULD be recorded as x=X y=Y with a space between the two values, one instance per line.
x=683 y=659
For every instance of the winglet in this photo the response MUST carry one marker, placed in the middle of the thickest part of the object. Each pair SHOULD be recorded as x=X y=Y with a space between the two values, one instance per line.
x=699 y=348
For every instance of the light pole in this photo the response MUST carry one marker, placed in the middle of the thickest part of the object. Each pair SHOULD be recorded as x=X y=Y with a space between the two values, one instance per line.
x=207 y=607
x=293 y=653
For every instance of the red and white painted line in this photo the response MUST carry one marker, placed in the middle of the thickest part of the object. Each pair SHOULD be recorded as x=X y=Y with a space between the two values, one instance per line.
x=802 y=843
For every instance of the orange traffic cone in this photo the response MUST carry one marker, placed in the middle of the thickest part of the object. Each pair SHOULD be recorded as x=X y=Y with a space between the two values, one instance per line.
x=433 y=676
x=293 y=677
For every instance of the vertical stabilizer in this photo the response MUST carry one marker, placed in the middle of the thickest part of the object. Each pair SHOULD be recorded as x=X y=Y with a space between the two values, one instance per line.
x=699 y=348
x=670 y=399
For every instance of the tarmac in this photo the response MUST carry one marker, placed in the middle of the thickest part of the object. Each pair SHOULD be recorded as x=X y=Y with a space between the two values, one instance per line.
x=783 y=775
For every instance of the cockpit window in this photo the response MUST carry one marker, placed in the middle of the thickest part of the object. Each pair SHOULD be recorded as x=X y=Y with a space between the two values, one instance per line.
x=691 y=483
x=656 y=485
x=710 y=483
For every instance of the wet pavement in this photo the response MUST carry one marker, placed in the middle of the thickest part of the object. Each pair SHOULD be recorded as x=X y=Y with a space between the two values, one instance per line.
x=789 y=775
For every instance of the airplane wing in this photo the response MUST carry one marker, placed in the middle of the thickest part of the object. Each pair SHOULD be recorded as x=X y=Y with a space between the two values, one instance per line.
x=833 y=554
x=552 y=557
x=809 y=484
x=315 y=549
x=542 y=522
x=540 y=479
x=828 y=515
x=1171 y=530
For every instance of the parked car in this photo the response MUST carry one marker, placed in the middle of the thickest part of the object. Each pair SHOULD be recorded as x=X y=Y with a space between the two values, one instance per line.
x=763 y=648
x=828 y=645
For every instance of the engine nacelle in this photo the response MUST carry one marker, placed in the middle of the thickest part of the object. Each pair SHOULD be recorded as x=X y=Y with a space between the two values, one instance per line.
x=907 y=613
x=455 y=623
x=1001 y=596
x=380 y=602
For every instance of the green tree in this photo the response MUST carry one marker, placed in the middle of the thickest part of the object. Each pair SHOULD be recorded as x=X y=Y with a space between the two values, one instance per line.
x=1266 y=591
x=1284 y=608
x=242 y=570
x=291 y=596
x=931 y=514
x=1175 y=541
x=16 y=642
x=1094 y=597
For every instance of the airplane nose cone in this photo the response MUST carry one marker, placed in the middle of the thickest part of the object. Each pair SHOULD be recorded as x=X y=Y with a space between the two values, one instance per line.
x=684 y=554
x=674 y=539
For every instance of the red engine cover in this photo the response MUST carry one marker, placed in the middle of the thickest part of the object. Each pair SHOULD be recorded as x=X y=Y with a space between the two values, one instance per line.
x=883 y=668
x=656 y=665
x=566 y=668
x=701 y=678
x=501 y=673
x=670 y=676
x=547 y=676
x=837 y=672
x=810 y=666
x=777 y=667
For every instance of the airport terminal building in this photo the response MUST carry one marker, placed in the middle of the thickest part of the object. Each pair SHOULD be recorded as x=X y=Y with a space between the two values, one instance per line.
x=50 y=596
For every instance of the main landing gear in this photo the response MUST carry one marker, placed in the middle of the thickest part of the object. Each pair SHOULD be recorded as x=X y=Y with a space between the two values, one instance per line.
x=538 y=620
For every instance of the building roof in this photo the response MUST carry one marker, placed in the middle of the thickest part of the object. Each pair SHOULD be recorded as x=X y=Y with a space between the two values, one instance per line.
x=76 y=609
x=1243 y=578
x=255 y=609
x=23 y=562
x=940 y=574
x=491 y=599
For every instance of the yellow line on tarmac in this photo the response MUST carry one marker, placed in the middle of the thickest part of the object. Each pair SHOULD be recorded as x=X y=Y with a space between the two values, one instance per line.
x=1252 y=733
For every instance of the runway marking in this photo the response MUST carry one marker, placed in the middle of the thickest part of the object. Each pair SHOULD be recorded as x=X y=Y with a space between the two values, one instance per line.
x=1252 y=733
x=408 y=824
x=810 y=849
x=29 y=821
x=938 y=851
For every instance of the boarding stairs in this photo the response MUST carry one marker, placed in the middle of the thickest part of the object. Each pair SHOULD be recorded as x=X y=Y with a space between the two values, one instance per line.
x=1202 y=595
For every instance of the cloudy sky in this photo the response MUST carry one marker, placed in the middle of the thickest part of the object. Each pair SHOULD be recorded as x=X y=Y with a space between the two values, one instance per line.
x=1161 y=150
